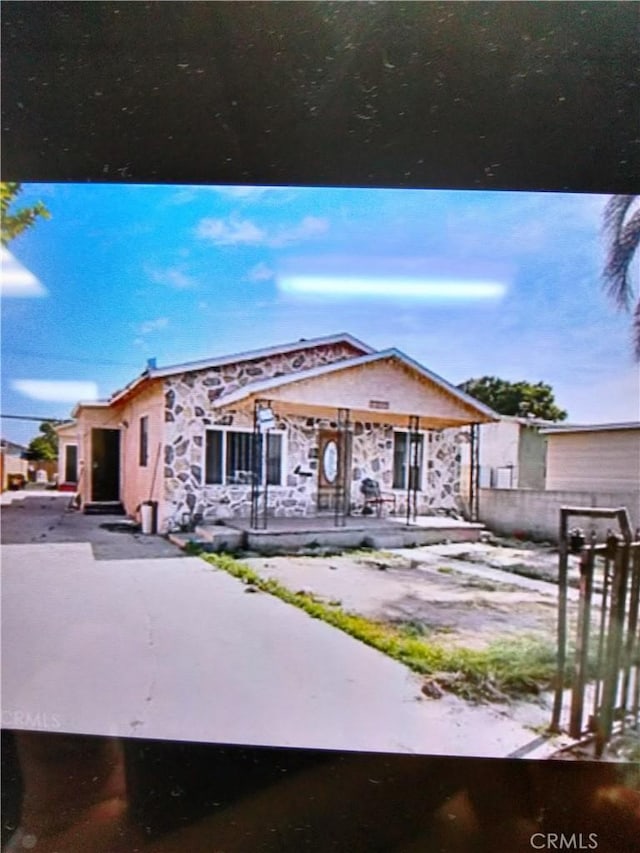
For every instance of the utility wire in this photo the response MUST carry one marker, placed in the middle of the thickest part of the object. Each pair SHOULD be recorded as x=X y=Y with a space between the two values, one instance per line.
x=53 y=357
x=32 y=418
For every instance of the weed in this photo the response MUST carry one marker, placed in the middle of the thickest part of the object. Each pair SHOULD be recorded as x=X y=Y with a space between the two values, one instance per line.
x=504 y=669
x=412 y=628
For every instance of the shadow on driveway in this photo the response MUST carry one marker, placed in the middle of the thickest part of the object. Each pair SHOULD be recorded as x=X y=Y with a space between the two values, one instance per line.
x=48 y=519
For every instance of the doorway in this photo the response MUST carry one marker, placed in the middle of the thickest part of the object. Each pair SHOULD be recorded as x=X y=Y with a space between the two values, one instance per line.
x=71 y=463
x=334 y=470
x=105 y=465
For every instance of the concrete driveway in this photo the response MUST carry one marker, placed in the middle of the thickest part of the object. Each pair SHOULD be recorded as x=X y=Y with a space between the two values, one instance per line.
x=169 y=647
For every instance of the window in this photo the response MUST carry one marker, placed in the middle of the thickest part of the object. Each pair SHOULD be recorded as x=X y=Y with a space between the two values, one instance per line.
x=229 y=458
x=402 y=448
x=144 y=441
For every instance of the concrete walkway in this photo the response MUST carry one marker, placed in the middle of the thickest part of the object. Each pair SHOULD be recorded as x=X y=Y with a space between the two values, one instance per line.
x=172 y=648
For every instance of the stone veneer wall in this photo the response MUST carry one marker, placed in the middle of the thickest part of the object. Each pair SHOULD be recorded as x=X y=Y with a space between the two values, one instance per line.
x=188 y=411
x=372 y=456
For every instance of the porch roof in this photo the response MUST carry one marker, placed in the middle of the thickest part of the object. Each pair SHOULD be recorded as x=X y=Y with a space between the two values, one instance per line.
x=384 y=387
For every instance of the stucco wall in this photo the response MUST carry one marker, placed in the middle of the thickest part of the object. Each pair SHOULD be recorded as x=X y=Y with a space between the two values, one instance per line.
x=510 y=446
x=536 y=513
x=137 y=482
x=532 y=454
x=100 y=417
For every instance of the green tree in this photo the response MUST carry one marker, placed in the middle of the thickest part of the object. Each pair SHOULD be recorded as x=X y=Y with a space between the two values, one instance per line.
x=524 y=399
x=622 y=235
x=14 y=222
x=45 y=445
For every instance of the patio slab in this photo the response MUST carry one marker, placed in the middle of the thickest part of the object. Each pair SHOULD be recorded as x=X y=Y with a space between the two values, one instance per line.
x=287 y=534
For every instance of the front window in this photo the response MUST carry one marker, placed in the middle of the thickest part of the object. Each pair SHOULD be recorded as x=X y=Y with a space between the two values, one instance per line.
x=407 y=460
x=229 y=458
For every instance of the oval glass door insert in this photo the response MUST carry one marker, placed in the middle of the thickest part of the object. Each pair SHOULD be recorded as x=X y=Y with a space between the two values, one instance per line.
x=330 y=461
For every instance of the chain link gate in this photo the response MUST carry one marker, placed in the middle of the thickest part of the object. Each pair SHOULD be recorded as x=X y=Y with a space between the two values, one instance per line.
x=602 y=664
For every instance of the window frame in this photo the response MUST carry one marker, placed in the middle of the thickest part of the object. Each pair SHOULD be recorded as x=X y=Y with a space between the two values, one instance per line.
x=422 y=471
x=143 y=441
x=225 y=431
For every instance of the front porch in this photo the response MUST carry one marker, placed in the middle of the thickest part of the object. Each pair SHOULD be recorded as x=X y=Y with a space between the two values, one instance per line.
x=291 y=534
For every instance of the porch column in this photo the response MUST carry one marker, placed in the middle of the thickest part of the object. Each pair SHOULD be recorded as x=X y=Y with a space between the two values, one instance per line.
x=413 y=467
x=259 y=508
x=474 y=471
x=343 y=473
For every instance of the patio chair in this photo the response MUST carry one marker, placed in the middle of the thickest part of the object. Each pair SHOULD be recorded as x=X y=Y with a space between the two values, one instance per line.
x=374 y=498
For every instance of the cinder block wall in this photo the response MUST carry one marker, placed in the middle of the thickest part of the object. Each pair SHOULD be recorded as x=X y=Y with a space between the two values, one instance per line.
x=536 y=513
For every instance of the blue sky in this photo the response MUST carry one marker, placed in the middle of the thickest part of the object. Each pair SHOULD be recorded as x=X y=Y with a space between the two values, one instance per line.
x=468 y=283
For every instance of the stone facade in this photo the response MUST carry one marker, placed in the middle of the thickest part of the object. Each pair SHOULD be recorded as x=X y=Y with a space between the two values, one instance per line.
x=188 y=413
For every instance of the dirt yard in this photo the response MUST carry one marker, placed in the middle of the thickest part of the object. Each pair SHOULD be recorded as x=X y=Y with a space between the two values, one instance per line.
x=465 y=595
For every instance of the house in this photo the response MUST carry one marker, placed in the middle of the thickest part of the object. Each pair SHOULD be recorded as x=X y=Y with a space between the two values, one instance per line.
x=14 y=467
x=596 y=457
x=511 y=454
x=67 y=456
x=296 y=428
x=589 y=465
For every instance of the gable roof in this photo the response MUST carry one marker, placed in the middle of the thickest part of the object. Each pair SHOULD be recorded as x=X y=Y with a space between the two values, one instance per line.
x=249 y=355
x=257 y=388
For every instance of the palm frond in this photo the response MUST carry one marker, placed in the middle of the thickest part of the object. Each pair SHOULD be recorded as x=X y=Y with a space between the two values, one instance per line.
x=622 y=240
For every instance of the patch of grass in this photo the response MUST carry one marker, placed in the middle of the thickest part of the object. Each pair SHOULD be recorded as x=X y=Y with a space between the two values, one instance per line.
x=369 y=554
x=445 y=570
x=412 y=628
x=504 y=669
x=193 y=548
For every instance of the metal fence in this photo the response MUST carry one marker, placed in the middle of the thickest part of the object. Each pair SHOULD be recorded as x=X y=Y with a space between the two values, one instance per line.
x=599 y=655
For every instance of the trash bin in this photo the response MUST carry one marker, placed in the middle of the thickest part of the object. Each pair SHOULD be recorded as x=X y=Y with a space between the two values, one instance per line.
x=149 y=517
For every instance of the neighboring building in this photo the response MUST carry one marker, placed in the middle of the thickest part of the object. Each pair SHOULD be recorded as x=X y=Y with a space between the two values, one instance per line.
x=337 y=412
x=511 y=454
x=596 y=465
x=597 y=457
x=12 y=463
x=67 y=456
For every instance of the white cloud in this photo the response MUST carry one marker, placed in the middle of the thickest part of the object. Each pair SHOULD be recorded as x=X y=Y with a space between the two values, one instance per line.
x=244 y=193
x=309 y=227
x=234 y=232
x=231 y=232
x=150 y=326
x=16 y=279
x=56 y=391
x=173 y=277
x=260 y=272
